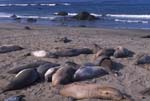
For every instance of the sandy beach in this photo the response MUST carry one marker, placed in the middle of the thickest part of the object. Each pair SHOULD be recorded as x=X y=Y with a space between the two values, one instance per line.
x=133 y=78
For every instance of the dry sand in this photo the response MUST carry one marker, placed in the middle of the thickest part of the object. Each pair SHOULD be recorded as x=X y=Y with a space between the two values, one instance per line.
x=132 y=81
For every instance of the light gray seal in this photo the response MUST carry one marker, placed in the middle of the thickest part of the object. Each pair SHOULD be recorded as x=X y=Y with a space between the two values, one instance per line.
x=23 y=79
x=49 y=73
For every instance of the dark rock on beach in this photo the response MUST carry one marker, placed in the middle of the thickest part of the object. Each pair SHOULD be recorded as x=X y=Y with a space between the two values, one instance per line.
x=31 y=20
x=84 y=16
x=62 y=13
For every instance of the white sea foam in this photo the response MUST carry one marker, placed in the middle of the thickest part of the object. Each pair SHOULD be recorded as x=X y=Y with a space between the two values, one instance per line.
x=129 y=16
x=131 y=21
x=66 y=4
x=5 y=15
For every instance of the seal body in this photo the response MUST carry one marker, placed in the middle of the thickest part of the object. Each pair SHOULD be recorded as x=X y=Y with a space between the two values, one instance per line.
x=9 y=48
x=49 y=73
x=142 y=59
x=71 y=52
x=44 y=67
x=104 y=52
x=64 y=74
x=122 y=52
x=17 y=69
x=89 y=72
x=85 y=91
x=24 y=78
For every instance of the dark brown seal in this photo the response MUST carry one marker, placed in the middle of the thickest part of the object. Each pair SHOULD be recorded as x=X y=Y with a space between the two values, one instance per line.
x=85 y=91
x=23 y=79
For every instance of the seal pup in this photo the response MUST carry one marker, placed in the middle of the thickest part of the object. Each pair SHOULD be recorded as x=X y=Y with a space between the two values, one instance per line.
x=49 y=73
x=9 y=48
x=89 y=72
x=122 y=52
x=86 y=91
x=64 y=74
x=70 y=52
x=23 y=79
x=17 y=69
x=44 y=67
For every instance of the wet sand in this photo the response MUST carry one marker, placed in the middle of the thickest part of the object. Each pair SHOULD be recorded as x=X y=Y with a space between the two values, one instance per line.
x=132 y=80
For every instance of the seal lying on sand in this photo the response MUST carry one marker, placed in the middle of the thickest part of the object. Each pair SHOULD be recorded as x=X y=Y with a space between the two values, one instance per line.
x=24 y=78
x=9 y=48
x=17 y=69
x=85 y=91
x=89 y=72
x=70 y=53
x=122 y=52
x=49 y=73
x=142 y=59
x=44 y=67
x=104 y=52
x=64 y=74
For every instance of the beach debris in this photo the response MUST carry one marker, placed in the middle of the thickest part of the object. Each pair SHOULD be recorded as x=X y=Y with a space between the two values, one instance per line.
x=62 y=13
x=31 y=20
x=89 y=72
x=122 y=52
x=85 y=16
x=87 y=91
x=70 y=52
x=17 y=69
x=49 y=73
x=9 y=48
x=44 y=67
x=64 y=40
x=142 y=59
x=15 y=98
x=23 y=79
x=146 y=36
x=40 y=53
x=64 y=74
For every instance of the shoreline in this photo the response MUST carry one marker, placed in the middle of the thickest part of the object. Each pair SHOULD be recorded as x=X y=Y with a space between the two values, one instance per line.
x=133 y=78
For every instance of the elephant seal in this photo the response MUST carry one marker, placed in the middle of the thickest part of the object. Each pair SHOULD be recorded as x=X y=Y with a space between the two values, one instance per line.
x=49 y=73
x=64 y=74
x=17 y=69
x=23 y=79
x=89 y=72
x=86 y=91
x=104 y=52
x=9 y=48
x=70 y=52
x=40 y=53
x=142 y=59
x=15 y=98
x=105 y=62
x=44 y=67
x=122 y=52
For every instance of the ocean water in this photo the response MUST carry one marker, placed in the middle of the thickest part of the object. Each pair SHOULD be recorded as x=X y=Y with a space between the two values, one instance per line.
x=131 y=14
